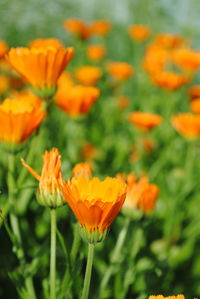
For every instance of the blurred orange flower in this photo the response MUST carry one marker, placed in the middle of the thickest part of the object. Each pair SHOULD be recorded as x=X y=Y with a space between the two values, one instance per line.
x=100 y=27
x=95 y=203
x=49 y=193
x=40 y=67
x=169 y=80
x=187 y=124
x=139 y=32
x=168 y=297
x=3 y=48
x=83 y=169
x=46 y=43
x=78 y=28
x=155 y=59
x=170 y=40
x=194 y=92
x=120 y=70
x=123 y=102
x=195 y=106
x=77 y=100
x=96 y=52
x=145 y=121
x=88 y=75
x=89 y=152
x=187 y=59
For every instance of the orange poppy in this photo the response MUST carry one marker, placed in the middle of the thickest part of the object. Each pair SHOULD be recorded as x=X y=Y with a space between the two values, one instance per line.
x=88 y=75
x=187 y=124
x=19 y=119
x=168 y=297
x=96 y=52
x=78 y=28
x=95 y=204
x=120 y=70
x=49 y=193
x=145 y=121
x=83 y=169
x=100 y=27
x=46 y=43
x=195 y=106
x=169 y=80
x=3 y=48
x=40 y=67
x=194 y=92
x=77 y=100
x=139 y=32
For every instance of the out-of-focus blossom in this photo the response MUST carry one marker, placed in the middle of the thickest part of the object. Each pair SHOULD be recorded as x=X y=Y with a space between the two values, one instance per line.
x=3 y=48
x=88 y=75
x=89 y=152
x=170 y=40
x=46 y=43
x=96 y=52
x=139 y=32
x=169 y=80
x=123 y=102
x=186 y=58
x=120 y=70
x=145 y=121
x=187 y=124
x=100 y=27
x=78 y=27
x=82 y=170
x=195 y=105
x=168 y=297
x=194 y=92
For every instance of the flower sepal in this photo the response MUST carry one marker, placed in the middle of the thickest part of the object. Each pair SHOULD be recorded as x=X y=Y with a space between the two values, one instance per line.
x=46 y=93
x=50 y=200
x=92 y=236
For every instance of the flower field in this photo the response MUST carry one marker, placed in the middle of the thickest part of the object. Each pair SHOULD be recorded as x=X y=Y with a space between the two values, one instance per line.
x=99 y=156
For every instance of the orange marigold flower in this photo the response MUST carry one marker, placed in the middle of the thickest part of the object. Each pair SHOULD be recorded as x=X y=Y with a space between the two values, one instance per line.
x=3 y=48
x=187 y=124
x=41 y=67
x=120 y=70
x=169 y=80
x=4 y=84
x=187 y=59
x=82 y=170
x=50 y=180
x=194 y=92
x=156 y=58
x=195 y=106
x=139 y=32
x=95 y=203
x=78 y=28
x=168 y=297
x=145 y=121
x=169 y=40
x=88 y=75
x=77 y=100
x=100 y=27
x=45 y=43
x=19 y=119
x=96 y=52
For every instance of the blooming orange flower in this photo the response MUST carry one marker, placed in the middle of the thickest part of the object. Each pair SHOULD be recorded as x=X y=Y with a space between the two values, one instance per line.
x=169 y=80
x=195 y=106
x=187 y=124
x=187 y=59
x=82 y=170
x=168 y=297
x=46 y=43
x=96 y=52
x=100 y=27
x=145 y=121
x=78 y=28
x=88 y=75
x=77 y=100
x=40 y=67
x=120 y=70
x=155 y=59
x=139 y=32
x=49 y=193
x=3 y=48
x=19 y=119
x=95 y=203
x=194 y=92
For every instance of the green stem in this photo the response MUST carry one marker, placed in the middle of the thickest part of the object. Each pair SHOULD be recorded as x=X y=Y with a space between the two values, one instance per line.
x=76 y=243
x=53 y=256
x=88 y=271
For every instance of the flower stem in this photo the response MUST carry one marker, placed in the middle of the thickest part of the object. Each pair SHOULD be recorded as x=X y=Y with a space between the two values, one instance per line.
x=53 y=256
x=88 y=271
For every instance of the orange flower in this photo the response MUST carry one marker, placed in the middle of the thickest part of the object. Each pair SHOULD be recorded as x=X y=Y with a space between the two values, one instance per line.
x=195 y=106
x=140 y=194
x=4 y=84
x=88 y=75
x=156 y=58
x=187 y=124
x=168 y=297
x=78 y=28
x=186 y=58
x=100 y=27
x=19 y=119
x=139 y=32
x=120 y=70
x=95 y=203
x=77 y=100
x=169 y=40
x=40 y=67
x=194 y=92
x=3 y=48
x=169 y=80
x=89 y=152
x=46 y=43
x=49 y=193
x=82 y=170
x=145 y=121
x=96 y=52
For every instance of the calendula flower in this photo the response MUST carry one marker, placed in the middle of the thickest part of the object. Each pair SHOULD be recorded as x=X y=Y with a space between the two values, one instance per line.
x=169 y=40
x=46 y=43
x=145 y=121
x=3 y=48
x=187 y=59
x=194 y=92
x=195 y=106
x=168 y=297
x=4 y=84
x=78 y=28
x=41 y=67
x=19 y=119
x=139 y=32
x=187 y=124
x=50 y=180
x=120 y=70
x=95 y=204
x=169 y=80
x=100 y=27
x=83 y=169
x=88 y=75
x=96 y=52
x=155 y=59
